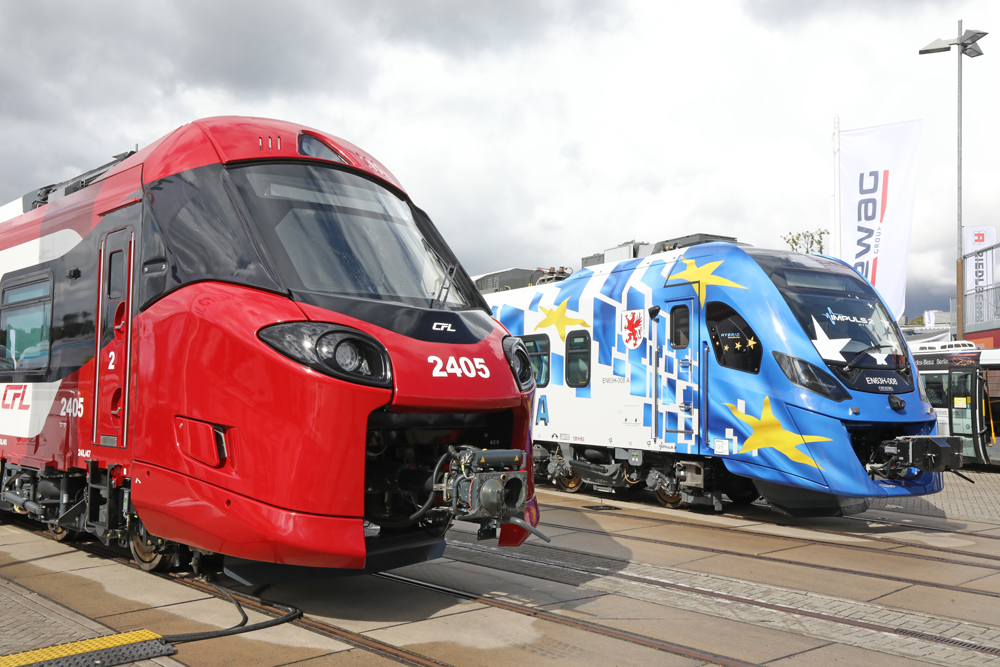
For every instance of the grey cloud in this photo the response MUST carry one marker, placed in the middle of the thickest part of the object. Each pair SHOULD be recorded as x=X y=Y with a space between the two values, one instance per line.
x=74 y=76
x=792 y=13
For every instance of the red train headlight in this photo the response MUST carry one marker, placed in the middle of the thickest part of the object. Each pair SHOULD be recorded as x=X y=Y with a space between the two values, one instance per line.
x=331 y=349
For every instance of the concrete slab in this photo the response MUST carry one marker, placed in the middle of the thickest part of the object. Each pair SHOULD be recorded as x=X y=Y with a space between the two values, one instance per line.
x=14 y=535
x=214 y=614
x=364 y=603
x=624 y=549
x=950 y=604
x=43 y=553
x=473 y=639
x=721 y=636
x=591 y=520
x=506 y=586
x=988 y=562
x=831 y=655
x=990 y=583
x=86 y=590
x=716 y=539
x=886 y=563
x=805 y=533
x=355 y=657
x=800 y=577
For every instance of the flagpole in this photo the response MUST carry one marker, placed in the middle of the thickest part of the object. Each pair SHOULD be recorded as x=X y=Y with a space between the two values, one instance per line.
x=836 y=186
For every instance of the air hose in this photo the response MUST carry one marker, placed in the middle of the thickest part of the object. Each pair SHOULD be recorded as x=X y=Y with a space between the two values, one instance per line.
x=241 y=627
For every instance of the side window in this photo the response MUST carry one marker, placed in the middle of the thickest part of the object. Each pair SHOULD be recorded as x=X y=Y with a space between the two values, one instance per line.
x=578 y=359
x=936 y=386
x=538 y=351
x=116 y=274
x=734 y=342
x=25 y=320
x=679 y=327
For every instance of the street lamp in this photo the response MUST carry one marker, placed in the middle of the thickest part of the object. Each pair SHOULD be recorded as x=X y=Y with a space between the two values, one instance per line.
x=966 y=43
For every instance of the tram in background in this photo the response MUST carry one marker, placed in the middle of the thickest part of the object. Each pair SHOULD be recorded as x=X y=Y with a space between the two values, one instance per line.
x=963 y=384
x=245 y=339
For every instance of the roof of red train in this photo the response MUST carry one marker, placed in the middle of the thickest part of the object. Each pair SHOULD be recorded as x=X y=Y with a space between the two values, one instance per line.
x=202 y=142
x=233 y=138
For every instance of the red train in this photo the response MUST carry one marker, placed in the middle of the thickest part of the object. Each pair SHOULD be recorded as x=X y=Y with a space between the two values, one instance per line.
x=245 y=339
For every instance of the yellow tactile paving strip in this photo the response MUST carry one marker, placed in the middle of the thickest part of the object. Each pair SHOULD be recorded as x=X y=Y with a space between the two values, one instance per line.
x=75 y=648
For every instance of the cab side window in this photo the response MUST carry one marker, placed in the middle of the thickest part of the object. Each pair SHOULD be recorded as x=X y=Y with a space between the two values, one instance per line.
x=25 y=323
x=735 y=344
x=679 y=327
x=578 y=359
x=538 y=352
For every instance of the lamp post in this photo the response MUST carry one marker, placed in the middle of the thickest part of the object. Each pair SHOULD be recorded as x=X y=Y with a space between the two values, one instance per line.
x=966 y=43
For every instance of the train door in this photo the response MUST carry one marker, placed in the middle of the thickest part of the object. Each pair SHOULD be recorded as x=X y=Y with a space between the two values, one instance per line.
x=114 y=337
x=984 y=416
x=967 y=391
x=678 y=406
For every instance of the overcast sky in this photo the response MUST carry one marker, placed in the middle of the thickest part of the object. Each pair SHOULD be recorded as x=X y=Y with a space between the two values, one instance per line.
x=533 y=132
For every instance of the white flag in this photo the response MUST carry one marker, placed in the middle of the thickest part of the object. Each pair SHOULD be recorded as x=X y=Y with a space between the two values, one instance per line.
x=878 y=183
x=978 y=271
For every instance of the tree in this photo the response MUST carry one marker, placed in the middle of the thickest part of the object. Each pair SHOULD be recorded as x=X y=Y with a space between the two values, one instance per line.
x=806 y=242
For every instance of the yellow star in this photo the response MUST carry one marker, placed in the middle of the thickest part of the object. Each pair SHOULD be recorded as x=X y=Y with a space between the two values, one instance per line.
x=737 y=345
x=557 y=318
x=703 y=276
x=768 y=432
x=751 y=343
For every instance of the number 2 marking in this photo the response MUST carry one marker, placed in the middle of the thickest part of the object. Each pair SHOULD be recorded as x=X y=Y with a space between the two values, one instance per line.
x=111 y=363
x=438 y=371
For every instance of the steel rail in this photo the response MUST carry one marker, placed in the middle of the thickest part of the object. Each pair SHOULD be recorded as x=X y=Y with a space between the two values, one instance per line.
x=806 y=540
x=624 y=635
x=607 y=572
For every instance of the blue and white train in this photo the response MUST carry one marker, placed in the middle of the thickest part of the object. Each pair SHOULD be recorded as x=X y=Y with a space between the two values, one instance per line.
x=724 y=369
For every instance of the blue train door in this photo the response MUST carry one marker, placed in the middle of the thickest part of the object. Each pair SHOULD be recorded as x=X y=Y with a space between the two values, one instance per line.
x=677 y=397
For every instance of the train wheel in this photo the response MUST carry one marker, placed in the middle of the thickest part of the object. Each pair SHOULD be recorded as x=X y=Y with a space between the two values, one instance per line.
x=63 y=534
x=571 y=483
x=673 y=501
x=147 y=558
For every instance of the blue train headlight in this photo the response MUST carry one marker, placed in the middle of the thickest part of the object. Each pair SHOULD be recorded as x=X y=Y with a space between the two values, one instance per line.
x=811 y=377
x=520 y=362
x=341 y=352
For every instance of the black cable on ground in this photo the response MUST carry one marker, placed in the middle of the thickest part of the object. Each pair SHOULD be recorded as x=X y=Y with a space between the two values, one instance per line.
x=241 y=627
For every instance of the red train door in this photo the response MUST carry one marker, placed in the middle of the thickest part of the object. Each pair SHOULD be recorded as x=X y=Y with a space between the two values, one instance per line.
x=114 y=338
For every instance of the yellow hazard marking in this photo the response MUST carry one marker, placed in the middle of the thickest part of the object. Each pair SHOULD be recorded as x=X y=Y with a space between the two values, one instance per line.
x=76 y=648
x=482 y=459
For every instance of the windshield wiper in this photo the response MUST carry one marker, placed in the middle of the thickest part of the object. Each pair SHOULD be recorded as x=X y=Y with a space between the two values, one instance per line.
x=868 y=349
x=442 y=294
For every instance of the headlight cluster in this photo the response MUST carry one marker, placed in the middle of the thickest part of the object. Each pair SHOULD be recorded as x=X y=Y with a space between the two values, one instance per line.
x=341 y=352
x=520 y=362
x=811 y=377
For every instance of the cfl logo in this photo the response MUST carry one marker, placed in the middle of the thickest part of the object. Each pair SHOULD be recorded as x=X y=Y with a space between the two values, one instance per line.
x=443 y=326
x=15 y=397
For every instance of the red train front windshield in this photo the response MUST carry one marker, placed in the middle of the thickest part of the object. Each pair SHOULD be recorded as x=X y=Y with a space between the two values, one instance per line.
x=334 y=232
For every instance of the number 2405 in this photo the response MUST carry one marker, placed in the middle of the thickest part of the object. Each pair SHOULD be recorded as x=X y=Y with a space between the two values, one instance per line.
x=461 y=366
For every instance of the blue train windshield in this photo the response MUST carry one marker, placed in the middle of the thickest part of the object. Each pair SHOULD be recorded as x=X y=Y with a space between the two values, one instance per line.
x=839 y=311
